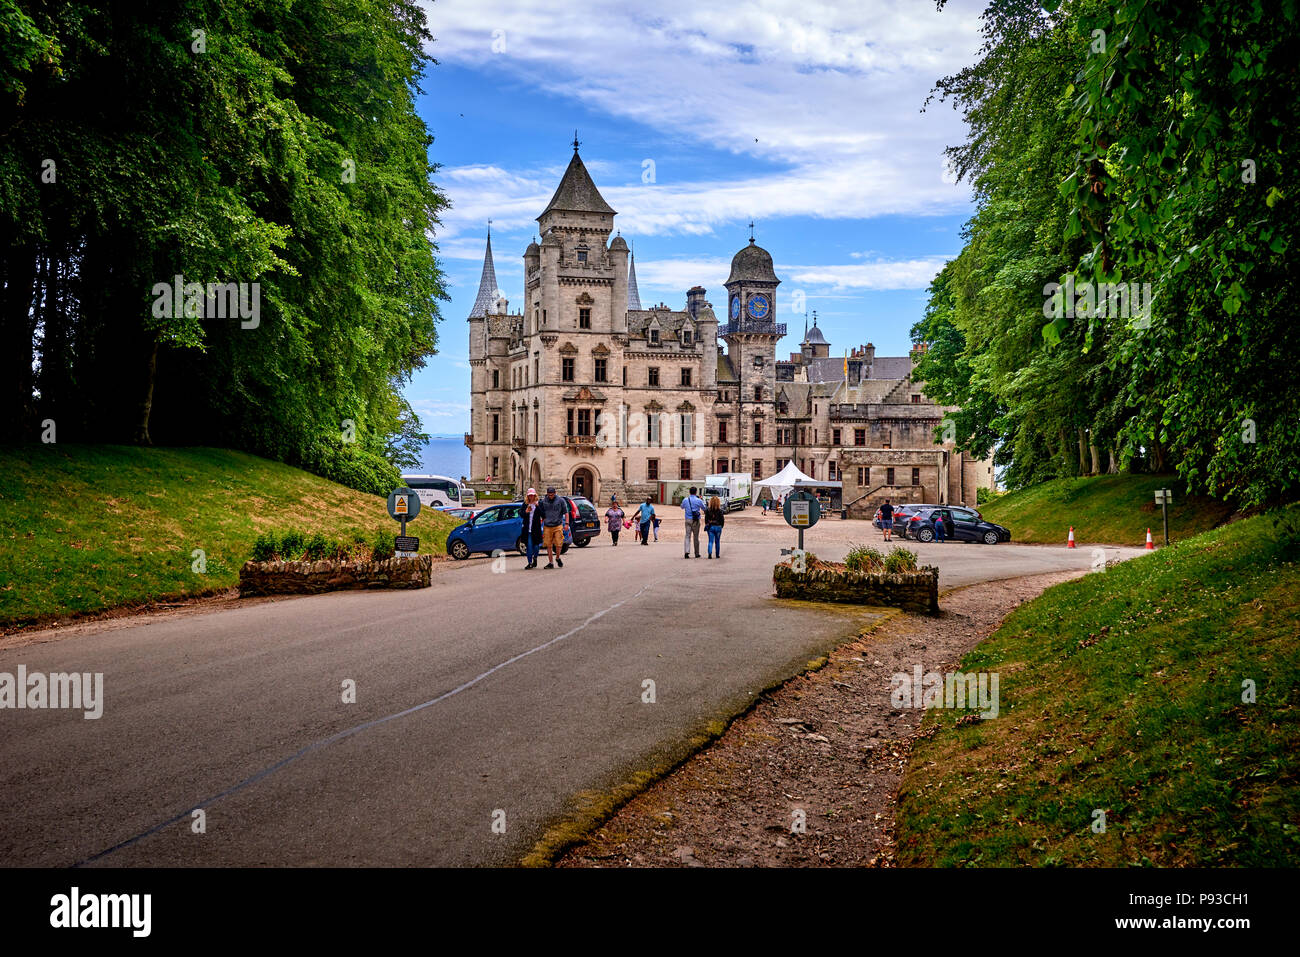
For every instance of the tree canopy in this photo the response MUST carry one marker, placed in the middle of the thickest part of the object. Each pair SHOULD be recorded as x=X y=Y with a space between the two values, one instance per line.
x=263 y=159
x=1121 y=298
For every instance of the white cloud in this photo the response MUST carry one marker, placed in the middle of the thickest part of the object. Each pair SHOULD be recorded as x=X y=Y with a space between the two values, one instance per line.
x=898 y=274
x=826 y=94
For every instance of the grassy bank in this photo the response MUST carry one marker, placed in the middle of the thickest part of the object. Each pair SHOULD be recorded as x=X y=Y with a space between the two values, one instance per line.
x=1106 y=509
x=1123 y=692
x=85 y=528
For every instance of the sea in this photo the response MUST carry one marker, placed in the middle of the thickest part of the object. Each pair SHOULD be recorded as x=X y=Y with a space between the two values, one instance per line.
x=445 y=455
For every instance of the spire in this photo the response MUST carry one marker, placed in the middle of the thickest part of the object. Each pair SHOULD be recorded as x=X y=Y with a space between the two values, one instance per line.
x=487 y=284
x=633 y=295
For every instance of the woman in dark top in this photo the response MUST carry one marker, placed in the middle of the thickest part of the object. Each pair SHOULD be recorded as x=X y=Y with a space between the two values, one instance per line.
x=532 y=533
x=714 y=519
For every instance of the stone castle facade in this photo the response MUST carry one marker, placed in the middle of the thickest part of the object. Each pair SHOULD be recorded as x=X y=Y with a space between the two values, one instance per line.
x=586 y=390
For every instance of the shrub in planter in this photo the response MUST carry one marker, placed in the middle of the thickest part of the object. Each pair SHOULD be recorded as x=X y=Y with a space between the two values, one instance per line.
x=265 y=548
x=318 y=547
x=292 y=545
x=383 y=545
x=864 y=558
x=900 y=560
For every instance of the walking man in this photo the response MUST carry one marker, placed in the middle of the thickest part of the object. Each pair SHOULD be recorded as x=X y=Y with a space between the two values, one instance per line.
x=887 y=520
x=693 y=509
x=555 y=521
x=644 y=516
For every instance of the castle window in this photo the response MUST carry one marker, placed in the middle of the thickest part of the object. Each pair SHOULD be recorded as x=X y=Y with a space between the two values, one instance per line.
x=569 y=417
x=496 y=465
x=916 y=399
x=653 y=335
x=584 y=318
x=724 y=465
x=757 y=469
x=496 y=428
x=783 y=407
x=835 y=436
x=859 y=436
x=722 y=433
x=889 y=476
x=535 y=428
x=602 y=366
x=916 y=476
x=803 y=436
x=686 y=335
x=864 y=475
x=584 y=421
x=830 y=471
x=686 y=376
x=684 y=469
x=758 y=393
x=781 y=463
x=496 y=378
x=566 y=368
x=758 y=360
x=654 y=375
x=582 y=255
x=652 y=470
x=758 y=433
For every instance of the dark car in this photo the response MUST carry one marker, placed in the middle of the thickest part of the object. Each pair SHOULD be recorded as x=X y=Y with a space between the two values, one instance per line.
x=587 y=525
x=495 y=528
x=960 y=525
x=903 y=516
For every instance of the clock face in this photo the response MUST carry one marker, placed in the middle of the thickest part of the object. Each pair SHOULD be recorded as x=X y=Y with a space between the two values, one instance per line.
x=735 y=307
x=758 y=306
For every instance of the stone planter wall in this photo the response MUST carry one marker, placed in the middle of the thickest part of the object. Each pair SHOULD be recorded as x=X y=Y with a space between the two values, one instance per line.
x=916 y=591
x=309 y=578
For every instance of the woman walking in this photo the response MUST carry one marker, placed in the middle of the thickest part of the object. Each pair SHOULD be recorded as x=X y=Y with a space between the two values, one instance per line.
x=644 y=516
x=714 y=518
x=614 y=519
x=532 y=528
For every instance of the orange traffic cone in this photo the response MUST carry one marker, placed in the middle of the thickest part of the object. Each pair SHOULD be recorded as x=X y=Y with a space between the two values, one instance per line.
x=1150 y=544
x=1069 y=542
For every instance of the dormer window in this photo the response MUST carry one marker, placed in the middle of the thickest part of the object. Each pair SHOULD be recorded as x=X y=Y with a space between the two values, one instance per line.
x=686 y=335
x=652 y=335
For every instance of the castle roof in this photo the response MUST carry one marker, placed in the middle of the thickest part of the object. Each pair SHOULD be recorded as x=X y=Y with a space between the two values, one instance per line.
x=633 y=294
x=486 y=299
x=753 y=262
x=576 y=192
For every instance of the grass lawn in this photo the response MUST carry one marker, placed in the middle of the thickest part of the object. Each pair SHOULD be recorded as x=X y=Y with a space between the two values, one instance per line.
x=1123 y=692
x=85 y=528
x=1105 y=509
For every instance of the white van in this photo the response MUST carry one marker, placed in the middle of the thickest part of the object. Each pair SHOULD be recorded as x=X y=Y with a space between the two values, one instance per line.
x=436 y=491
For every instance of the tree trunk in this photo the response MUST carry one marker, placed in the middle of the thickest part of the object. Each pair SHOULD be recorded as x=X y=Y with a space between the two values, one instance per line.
x=17 y=344
x=146 y=404
x=1094 y=457
x=1083 y=453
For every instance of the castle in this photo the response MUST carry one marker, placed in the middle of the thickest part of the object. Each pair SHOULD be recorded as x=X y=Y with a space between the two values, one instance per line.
x=586 y=390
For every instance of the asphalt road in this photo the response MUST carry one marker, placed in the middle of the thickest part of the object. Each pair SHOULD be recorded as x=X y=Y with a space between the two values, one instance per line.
x=489 y=697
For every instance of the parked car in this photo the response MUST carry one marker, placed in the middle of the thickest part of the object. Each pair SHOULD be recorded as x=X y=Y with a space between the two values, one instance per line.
x=901 y=514
x=462 y=513
x=497 y=527
x=587 y=525
x=960 y=525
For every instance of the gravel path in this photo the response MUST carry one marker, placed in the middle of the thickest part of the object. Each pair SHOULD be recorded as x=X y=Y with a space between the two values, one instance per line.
x=826 y=746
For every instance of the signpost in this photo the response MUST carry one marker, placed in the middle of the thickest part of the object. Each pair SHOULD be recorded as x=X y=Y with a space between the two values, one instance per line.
x=1165 y=498
x=801 y=510
x=403 y=506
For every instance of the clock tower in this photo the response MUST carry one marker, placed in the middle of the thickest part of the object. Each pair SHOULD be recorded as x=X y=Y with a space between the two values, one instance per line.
x=751 y=333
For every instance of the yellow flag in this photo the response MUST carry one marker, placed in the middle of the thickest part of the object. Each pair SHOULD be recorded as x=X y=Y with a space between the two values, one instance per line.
x=846 y=362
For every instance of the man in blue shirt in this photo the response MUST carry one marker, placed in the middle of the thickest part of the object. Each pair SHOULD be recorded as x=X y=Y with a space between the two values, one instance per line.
x=692 y=508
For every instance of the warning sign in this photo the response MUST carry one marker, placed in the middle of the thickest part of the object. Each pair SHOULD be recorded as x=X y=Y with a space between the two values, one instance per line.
x=399 y=507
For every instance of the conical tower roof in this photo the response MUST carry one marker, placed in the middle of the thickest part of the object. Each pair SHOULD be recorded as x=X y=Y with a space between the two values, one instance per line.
x=576 y=192
x=633 y=294
x=487 y=284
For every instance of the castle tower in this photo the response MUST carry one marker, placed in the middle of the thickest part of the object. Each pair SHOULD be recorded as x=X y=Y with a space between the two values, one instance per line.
x=751 y=333
x=633 y=294
x=485 y=303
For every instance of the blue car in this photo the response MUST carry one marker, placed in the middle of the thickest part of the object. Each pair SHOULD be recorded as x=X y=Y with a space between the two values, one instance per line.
x=495 y=528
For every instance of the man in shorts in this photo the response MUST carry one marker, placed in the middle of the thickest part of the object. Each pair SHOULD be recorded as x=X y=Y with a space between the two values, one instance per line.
x=555 y=519
x=887 y=519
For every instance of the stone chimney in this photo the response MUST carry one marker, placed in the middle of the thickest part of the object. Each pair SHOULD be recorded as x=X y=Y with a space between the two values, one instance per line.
x=694 y=300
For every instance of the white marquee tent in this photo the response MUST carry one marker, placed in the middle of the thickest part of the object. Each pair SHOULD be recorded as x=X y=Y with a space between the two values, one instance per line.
x=782 y=483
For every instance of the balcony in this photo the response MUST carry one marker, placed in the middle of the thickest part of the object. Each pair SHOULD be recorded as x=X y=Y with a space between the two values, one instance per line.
x=581 y=441
x=755 y=326
x=519 y=442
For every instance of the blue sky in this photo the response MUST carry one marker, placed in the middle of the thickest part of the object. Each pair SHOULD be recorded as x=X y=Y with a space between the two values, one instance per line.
x=693 y=119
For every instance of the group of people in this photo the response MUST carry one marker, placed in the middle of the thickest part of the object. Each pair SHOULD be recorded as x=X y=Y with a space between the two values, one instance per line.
x=643 y=521
x=771 y=504
x=546 y=521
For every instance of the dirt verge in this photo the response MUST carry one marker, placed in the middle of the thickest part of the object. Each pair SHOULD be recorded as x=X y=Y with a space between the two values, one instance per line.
x=826 y=748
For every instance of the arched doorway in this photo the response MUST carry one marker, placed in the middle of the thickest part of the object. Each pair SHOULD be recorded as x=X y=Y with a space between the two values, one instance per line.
x=535 y=477
x=583 y=482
